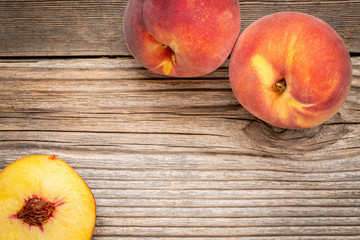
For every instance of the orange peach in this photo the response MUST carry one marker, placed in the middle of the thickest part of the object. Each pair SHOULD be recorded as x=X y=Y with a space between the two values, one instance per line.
x=43 y=198
x=179 y=37
x=291 y=70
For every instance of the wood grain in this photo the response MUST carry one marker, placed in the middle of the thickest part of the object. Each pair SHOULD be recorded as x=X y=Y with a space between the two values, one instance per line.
x=89 y=27
x=174 y=158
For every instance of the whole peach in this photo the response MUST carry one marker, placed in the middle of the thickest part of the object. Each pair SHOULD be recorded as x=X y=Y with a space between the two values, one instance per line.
x=181 y=38
x=291 y=70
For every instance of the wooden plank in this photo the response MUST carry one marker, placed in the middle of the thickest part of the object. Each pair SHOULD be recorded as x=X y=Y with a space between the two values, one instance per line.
x=171 y=158
x=227 y=232
x=237 y=238
x=88 y=27
x=229 y=222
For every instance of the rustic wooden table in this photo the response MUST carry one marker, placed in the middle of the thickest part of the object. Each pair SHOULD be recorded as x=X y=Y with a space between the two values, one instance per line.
x=171 y=158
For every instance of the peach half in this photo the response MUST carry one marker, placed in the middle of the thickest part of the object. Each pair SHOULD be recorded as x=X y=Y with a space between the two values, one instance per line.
x=291 y=70
x=43 y=198
x=179 y=37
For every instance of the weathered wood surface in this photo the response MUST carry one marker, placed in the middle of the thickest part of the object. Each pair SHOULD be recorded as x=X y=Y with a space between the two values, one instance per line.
x=91 y=27
x=180 y=158
x=174 y=158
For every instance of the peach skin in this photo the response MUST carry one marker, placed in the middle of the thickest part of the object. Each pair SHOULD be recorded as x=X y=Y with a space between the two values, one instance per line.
x=291 y=70
x=181 y=38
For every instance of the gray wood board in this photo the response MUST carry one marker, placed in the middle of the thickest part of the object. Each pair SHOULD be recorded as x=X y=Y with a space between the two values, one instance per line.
x=87 y=28
x=171 y=158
